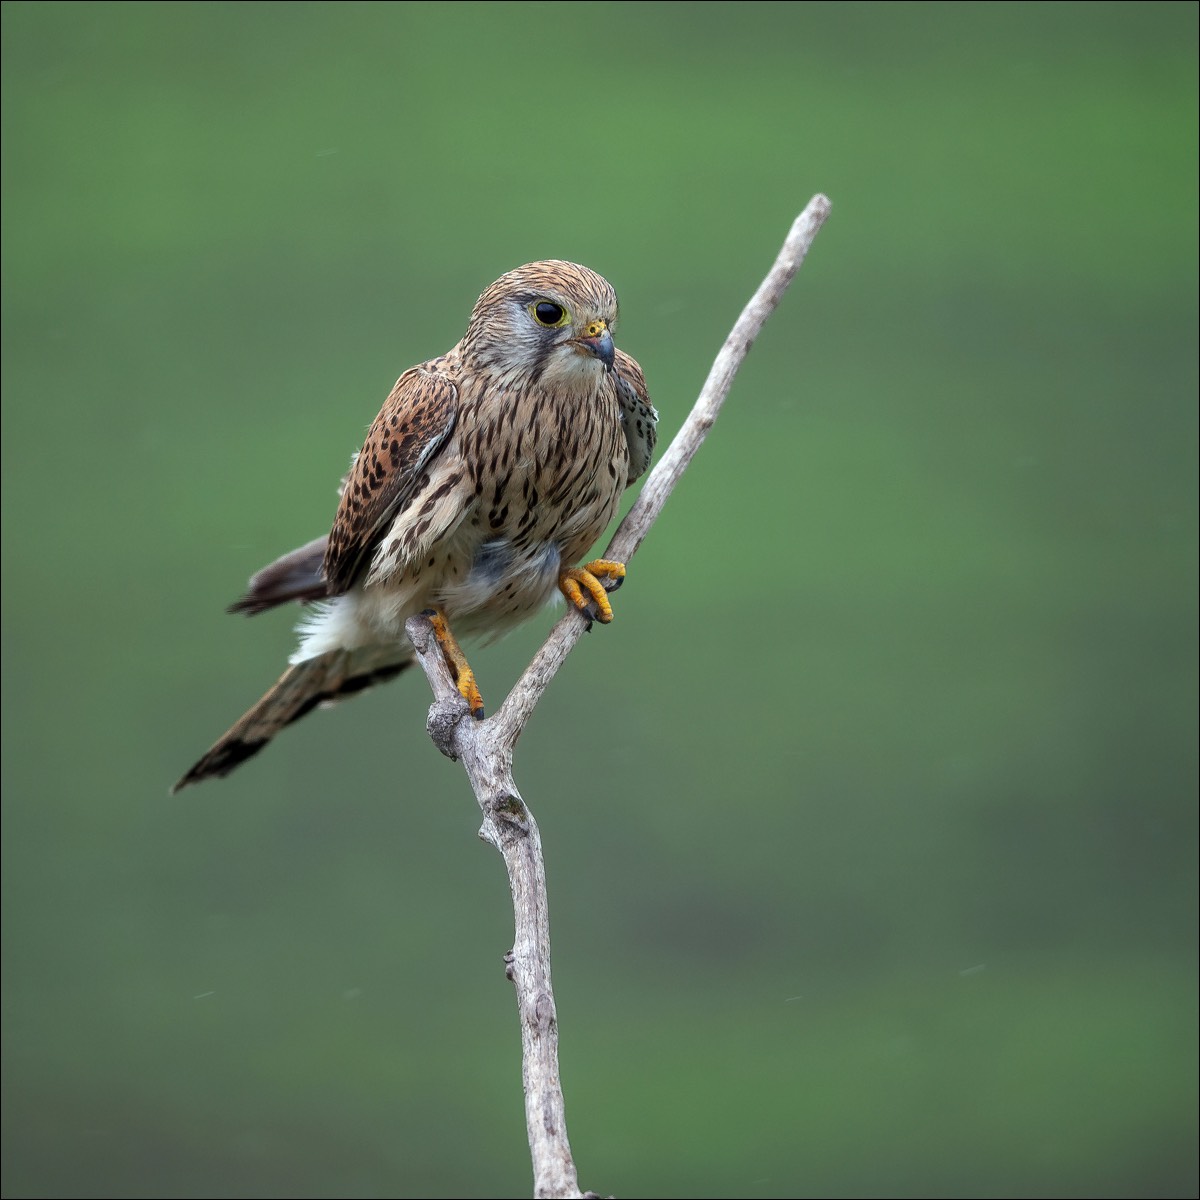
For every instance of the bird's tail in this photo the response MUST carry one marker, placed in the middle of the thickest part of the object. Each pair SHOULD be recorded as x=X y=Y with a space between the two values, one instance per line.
x=321 y=680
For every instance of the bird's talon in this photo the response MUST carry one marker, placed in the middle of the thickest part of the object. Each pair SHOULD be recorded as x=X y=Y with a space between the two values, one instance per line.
x=456 y=660
x=574 y=582
x=469 y=690
x=612 y=574
x=603 y=568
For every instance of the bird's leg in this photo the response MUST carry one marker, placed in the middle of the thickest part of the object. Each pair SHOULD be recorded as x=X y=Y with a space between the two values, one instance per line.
x=456 y=660
x=574 y=582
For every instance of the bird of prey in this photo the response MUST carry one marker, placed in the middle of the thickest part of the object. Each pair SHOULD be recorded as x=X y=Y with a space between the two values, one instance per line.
x=483 y=481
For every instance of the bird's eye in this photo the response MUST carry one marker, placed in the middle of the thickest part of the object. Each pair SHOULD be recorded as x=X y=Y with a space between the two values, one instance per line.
x=546 y=312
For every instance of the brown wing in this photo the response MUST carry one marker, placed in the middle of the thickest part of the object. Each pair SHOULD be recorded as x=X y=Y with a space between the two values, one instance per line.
x=639 y=418
x=390 y=469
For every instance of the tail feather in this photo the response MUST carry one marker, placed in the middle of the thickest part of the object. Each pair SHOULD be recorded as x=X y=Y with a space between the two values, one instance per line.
x=321 y=680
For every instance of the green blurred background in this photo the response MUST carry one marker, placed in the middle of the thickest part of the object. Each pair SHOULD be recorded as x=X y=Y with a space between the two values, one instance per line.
x=870 y=822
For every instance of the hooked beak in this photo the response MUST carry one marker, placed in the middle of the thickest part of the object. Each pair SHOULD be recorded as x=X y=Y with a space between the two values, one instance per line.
x=596 y=340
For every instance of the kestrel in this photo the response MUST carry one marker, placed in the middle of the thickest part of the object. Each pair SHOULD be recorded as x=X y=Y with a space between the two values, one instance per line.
x=487 y=475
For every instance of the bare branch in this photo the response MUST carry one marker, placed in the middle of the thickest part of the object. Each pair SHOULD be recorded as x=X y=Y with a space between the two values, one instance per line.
x=509 y=826
x=485 y=748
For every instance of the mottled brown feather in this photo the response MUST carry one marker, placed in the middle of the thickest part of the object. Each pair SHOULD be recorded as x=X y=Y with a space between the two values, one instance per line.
x=390 y=469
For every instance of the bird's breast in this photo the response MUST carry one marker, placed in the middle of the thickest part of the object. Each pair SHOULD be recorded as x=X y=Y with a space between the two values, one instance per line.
x=547 y=470
x=545 y=465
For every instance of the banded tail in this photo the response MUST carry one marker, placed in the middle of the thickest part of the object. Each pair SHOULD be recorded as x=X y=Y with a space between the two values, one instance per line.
x=328 y=677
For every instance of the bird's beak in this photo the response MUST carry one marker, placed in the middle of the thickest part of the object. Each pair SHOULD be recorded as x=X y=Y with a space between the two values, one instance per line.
x=596 y=340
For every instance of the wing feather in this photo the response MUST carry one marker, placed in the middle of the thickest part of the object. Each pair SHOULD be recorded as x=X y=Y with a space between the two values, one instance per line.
x=296 y=576
x=389 y=471
x=639 y=418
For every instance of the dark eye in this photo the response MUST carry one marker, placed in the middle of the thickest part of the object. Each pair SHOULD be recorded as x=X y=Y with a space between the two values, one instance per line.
x=546 y=312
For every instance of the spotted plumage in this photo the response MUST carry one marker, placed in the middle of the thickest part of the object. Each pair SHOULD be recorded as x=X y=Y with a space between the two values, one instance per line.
x=487 y=475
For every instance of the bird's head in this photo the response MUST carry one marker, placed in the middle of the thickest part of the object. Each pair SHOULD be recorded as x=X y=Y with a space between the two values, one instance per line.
x=547 y=322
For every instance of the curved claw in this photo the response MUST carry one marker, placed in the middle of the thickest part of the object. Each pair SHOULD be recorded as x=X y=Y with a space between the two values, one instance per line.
x=574 y=582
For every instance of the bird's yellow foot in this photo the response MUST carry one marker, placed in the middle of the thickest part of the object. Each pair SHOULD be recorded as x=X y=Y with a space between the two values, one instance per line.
x=456 y=660
x=583 y=586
